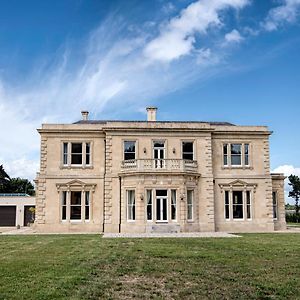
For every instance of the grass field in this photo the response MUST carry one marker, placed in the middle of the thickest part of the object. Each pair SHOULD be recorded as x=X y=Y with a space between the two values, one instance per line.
x=264 y=266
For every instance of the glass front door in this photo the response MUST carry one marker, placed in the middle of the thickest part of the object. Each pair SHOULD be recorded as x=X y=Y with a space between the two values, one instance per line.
x=161 y=205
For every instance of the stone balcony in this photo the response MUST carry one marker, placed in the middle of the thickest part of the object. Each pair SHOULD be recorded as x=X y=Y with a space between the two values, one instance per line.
x=159 y=166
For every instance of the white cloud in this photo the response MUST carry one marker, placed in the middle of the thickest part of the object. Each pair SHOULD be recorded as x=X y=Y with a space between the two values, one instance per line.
x=177 y=37
x=22 y=167
x=287 y=170
x=285 y=13
x=233 y=37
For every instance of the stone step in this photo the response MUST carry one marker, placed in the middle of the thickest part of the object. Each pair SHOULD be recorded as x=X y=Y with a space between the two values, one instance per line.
x=163 y=228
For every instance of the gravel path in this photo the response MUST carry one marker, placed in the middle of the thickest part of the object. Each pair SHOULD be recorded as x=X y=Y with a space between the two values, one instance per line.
x=171 y=235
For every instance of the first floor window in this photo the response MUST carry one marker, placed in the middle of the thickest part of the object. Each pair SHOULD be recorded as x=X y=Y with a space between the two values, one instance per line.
x=187 y=150
x=129 y=150
x=274 y=196
x=173 y=204
x=236 y=154
x=76 y=154
x=131 y=205
x=149 y=205
x=190 y=205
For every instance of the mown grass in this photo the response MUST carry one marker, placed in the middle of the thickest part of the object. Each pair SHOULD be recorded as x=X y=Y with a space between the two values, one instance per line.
x=255 y=266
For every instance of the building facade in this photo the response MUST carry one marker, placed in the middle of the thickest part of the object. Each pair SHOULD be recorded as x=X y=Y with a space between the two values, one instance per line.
x=157 y=176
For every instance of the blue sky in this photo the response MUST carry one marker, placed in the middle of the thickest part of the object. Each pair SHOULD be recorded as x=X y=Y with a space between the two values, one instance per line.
x=225 y=60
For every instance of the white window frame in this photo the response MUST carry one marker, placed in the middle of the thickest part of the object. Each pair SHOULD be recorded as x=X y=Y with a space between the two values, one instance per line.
x=229 y=164
x=68 y=205
x=135 y=150
x=83 y=154
x=245 y=204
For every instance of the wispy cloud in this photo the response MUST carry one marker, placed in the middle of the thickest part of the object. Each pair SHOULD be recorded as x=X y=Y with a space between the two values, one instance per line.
x=233 y=37
x=287 y=12
x=177 y=37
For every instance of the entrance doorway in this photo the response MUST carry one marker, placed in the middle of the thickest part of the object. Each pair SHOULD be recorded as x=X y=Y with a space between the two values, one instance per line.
x=161 y=205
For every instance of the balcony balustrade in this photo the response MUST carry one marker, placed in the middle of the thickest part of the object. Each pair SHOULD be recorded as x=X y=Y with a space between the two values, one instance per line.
x=159 y=165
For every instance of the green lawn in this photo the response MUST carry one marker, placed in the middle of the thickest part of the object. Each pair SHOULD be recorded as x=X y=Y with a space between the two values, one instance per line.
x=293 y=224
x=264 y=266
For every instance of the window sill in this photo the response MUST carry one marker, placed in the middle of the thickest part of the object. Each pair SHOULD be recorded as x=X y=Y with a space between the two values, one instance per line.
x=76 y=167
x=237 y=167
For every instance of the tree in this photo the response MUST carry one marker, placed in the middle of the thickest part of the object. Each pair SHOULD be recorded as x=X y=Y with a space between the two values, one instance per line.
x=4 y=178
x=18 y=185
x=295 y=192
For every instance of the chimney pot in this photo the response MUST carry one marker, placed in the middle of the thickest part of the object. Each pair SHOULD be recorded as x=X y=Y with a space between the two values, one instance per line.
x=85 y=115
x=151 y=113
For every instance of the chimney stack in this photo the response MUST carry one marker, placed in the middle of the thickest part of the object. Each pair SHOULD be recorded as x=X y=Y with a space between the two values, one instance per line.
x=85 y=115
x=151 y=113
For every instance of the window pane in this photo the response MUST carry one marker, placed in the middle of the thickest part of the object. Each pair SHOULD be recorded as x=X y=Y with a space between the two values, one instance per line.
x=65 y=154
x=190 y=205
x=87 y=212
x=88 y=153
x=128 y=156
x=187 y=150
x=236 y=149
x=129 y=150
x=225 y=149
x=173 y=204
x=225 y=160
x=131 y=204
x=64 y=198
x=75 y=198
x=236 y=160
x=248 y=195
x=226 y=197
x=227 y=204
x=237 y=207
x=187 y=156
x=159 y=144
x=75 y=212
x=246 y=154
x=64 y=213
x=87 y=198
x=76 y=159
x=76 y=147
x=161 y=192
x=149 y=204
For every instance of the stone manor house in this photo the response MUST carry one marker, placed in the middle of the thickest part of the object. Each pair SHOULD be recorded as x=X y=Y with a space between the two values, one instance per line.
x=156 y=176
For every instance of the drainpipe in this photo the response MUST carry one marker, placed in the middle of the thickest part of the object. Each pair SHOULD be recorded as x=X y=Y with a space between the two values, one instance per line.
x=120 y=195
x=104 y=185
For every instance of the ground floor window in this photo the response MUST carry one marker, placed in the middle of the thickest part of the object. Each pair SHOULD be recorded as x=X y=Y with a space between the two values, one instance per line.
x=173 y=205
x=237 y=205
x=75 y=205
x=149 y=205
x=275 y=206
x=190 y=205
x=131 y=205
